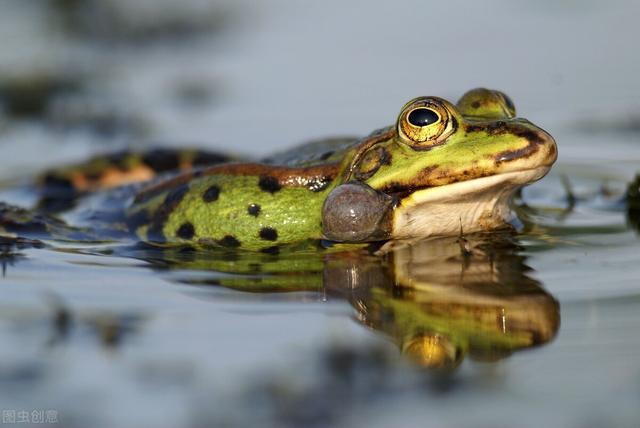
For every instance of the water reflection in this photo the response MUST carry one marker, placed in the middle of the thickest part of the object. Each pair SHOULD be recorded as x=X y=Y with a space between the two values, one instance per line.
x=11 y=250
x=439 y=300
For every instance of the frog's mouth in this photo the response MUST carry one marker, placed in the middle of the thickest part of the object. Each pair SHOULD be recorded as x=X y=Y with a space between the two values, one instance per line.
x=470 y=206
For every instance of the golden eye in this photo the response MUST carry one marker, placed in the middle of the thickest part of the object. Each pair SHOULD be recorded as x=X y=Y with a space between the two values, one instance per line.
x=425 y=122
x=423 y=116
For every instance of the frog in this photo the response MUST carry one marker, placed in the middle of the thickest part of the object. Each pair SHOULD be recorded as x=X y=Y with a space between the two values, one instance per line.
x=441 y=168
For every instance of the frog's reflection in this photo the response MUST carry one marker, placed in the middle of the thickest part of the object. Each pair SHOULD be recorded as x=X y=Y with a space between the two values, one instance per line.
x=448 y=299
x=438 y=300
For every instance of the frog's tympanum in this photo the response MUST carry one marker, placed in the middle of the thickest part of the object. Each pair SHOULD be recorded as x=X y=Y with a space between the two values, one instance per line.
x=439 y=169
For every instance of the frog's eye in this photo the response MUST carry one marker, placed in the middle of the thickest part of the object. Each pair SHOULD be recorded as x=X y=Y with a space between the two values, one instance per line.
x=481 y=103
x=422 y=116
x=426 y=122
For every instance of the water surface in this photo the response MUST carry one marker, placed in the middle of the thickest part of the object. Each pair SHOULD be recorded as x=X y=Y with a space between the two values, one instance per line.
x=532 y=329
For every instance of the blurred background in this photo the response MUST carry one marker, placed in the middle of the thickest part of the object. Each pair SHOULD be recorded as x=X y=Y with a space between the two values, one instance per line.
x=252 y=77
x=80 y=77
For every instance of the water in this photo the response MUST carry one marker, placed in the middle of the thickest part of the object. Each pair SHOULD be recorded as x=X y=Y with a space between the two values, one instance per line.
x=113 y=336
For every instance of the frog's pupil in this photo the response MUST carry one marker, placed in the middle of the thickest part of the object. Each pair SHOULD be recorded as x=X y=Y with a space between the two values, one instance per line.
x=422 y=117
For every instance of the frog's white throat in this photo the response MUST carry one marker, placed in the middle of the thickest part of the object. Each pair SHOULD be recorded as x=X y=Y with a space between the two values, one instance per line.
x=475 y=205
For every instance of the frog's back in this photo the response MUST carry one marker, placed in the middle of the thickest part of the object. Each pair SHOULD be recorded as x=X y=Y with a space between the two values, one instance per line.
x=314 y=153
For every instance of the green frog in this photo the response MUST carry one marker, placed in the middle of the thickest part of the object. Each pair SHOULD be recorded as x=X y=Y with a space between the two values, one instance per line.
x=439 y=169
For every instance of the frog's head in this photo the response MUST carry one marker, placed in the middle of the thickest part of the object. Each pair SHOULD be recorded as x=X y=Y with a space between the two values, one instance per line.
x=454 y=166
